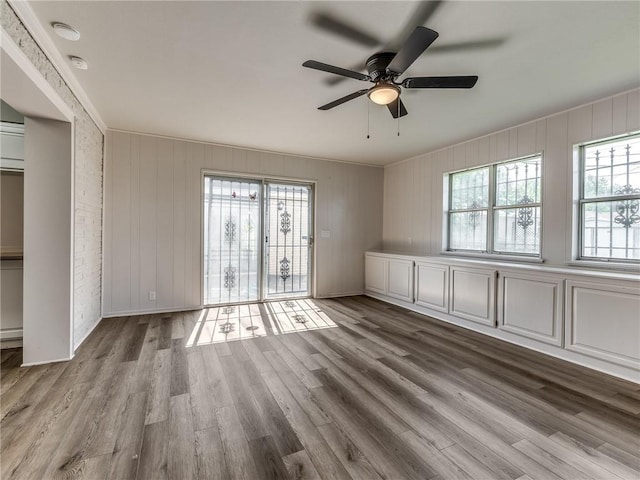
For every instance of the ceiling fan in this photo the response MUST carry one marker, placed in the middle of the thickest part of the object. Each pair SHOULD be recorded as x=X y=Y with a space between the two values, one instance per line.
x=386 y=67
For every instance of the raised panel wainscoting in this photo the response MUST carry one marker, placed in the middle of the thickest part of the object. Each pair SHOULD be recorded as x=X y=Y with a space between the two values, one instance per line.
x=531 y=306
x=473 y=294
x=585 y=316
x=603 y=321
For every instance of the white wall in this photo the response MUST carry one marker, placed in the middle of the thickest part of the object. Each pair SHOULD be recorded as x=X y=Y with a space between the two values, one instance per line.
x=87 y=174
x=413 y=202
x=152 y=217
x=48 y=186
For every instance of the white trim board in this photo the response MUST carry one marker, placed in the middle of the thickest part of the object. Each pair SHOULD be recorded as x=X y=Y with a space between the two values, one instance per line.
x=47 y=362
x=27 y=16
x=11 y=334
x=30 y=71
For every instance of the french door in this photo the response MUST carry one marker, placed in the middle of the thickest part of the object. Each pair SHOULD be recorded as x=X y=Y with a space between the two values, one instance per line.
x=257 y=240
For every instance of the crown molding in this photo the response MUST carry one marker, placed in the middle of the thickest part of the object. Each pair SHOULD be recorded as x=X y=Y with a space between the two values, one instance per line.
x=32 y=24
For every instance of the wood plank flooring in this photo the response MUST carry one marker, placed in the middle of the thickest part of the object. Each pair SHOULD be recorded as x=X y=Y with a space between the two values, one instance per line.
x=348 y=388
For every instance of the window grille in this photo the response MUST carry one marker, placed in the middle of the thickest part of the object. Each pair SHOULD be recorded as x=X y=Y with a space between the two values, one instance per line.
x=609 y=206
x=497 y=208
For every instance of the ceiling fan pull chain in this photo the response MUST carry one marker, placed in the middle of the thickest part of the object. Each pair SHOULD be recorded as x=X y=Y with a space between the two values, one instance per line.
x=368 y=117
x=398 y=116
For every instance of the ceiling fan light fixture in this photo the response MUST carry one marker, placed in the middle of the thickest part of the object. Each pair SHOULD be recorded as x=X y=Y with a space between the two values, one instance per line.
x=383 y=93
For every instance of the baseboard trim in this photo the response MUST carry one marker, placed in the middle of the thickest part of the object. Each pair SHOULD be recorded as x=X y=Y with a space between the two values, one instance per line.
x=11 y=334
x=58 y=360
x=11 y=343
x=151 y=312
x=338 y=295
x=614 y=370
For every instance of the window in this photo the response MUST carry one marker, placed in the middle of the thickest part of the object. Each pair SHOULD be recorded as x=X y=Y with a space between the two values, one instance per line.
x=609 y=207
x=497 y=209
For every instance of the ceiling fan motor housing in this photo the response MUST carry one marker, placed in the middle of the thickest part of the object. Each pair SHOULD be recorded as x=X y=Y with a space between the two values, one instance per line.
x=377 y=66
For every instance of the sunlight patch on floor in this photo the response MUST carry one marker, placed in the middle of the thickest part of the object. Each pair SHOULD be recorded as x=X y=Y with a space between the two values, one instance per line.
x=242 y=322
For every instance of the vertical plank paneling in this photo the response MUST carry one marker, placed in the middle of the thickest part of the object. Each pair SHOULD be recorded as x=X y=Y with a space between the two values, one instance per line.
x=164 y=224
x=121 y=224
x=513 y=142
x=459 y=157
x=602 y=122
x=484 y=151
x=502 y=146
x=619 y=114
x=107 y=255
x=471 y=153
x=179 y=223
x=193 y=251
x=238 y=161
x=135 y=222
x=633 y=111
x=580 y=123
x=541 y=137
x=526 y=139
x=148 y=230
x=555 y=179
x=493 y=147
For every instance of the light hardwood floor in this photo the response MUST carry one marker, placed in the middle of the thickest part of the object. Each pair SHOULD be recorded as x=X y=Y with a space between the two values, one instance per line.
x=381 y=393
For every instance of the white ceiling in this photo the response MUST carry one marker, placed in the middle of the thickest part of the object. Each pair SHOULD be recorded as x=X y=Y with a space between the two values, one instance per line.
x=230 y=72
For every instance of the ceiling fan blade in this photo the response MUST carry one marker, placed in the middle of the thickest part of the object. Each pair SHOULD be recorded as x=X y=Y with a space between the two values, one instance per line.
x=335 y=70
x=419 y=17
x=441 y=82
x=333 y=80
x=338 y=27
x=393 y=108
x=467 y=46
x=342 y=100
x=415 y=45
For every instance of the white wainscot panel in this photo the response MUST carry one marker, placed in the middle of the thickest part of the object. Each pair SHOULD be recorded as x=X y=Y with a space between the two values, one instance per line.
x=531 y=306
x=11 y=302
x=376 y=274
x=432 y=286
x=400 y=279
x=603 y=321
x=473 y=294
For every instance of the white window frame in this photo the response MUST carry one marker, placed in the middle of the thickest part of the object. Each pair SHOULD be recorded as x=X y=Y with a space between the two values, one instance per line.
x=490 y=251
x=581 y=200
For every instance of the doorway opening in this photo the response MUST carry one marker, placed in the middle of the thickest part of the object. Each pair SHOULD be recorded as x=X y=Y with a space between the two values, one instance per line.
x=258 y=240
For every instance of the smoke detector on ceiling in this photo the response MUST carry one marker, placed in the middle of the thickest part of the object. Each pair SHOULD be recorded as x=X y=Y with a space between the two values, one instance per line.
x=79 y=63
x=65 y=31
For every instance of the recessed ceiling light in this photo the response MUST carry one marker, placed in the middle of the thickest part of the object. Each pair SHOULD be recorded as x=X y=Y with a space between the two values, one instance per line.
x=65 y=31
x=79 y=63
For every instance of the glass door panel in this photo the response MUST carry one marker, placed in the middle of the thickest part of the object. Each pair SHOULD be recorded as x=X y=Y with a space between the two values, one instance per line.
x=288 y=229
x=232 y=247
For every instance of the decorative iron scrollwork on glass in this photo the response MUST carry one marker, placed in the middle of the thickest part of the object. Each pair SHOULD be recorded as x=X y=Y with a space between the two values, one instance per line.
x=227 y=328
x=289 y=304
x=627 y=210
x=280 y=205
x=525 y=215
x=229 y=231
x=474 y=216
x=284 y=269
x=229 y=277
x=285 y=222
x=300 y=318
x=228 y=310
